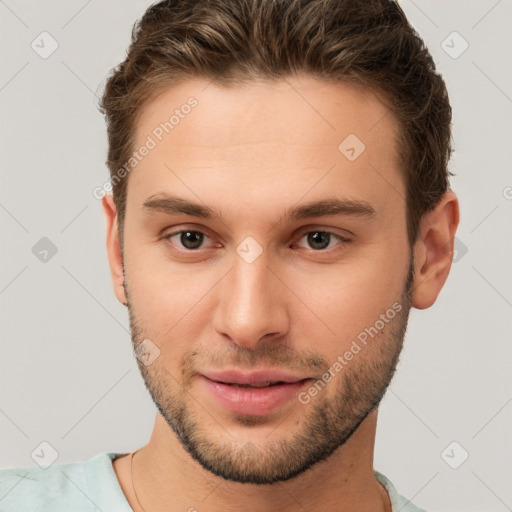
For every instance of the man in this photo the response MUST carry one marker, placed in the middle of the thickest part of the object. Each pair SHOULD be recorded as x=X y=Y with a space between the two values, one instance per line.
x=280 y=202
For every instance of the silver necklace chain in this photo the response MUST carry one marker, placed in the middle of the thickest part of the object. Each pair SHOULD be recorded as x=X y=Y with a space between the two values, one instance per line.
x=133 y=486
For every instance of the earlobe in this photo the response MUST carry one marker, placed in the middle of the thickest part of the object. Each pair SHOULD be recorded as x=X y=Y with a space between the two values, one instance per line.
x=433 y=250
x=113 y=248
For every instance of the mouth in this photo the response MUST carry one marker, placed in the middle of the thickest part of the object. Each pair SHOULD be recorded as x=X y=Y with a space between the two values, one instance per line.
x=255 y=385
x=253 y=393
x=256 y=378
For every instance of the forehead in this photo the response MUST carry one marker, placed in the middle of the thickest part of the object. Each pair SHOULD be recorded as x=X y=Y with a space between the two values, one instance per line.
x=302 y=110
x=289 y=133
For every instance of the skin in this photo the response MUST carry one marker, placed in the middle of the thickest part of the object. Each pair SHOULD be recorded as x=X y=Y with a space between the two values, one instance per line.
x=251 y=152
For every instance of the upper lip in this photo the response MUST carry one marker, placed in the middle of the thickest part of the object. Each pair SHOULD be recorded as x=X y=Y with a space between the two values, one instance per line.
x=253 y=378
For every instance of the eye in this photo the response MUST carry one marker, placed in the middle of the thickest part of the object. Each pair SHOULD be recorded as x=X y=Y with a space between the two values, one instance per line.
x=188 y=239
x=322 y=240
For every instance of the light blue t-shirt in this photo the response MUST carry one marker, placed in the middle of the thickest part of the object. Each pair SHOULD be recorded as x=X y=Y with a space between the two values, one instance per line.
x=92 y=485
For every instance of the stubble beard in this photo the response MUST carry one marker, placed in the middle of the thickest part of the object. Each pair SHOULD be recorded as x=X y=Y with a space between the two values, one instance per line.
x=328 y=424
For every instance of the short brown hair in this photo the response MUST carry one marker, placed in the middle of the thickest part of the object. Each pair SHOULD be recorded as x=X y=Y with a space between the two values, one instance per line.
x=366 y=42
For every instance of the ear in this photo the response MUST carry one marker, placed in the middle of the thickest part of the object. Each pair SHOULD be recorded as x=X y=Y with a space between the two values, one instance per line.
x=115 y=259
x=433 y=251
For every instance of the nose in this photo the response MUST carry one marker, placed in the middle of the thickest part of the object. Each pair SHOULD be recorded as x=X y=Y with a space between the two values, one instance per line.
x=252 y=303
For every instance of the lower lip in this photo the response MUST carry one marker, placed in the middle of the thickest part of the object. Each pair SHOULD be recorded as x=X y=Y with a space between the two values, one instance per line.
x=253 y=401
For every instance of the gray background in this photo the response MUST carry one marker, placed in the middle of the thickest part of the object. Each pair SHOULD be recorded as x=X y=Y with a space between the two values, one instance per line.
x=67 y=373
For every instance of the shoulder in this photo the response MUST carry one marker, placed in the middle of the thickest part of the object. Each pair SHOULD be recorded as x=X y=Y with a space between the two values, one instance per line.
x=398 y=502
x=72 y=486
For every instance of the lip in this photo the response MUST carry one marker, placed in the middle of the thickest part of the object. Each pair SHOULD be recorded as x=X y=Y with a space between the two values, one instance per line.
x=254 y=401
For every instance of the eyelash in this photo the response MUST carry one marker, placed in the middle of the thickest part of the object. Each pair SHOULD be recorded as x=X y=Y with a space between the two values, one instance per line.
x=341 y=239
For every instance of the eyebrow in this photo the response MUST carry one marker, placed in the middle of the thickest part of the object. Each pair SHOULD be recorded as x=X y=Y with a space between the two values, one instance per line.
x=330 y=206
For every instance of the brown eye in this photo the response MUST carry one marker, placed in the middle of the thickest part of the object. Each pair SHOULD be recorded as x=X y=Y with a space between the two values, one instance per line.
x=188 y=239
x=319 y=239
x=191 y=239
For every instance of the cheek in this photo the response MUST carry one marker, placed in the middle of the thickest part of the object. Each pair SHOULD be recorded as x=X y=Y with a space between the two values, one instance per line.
x=337 y=305
x=160 y=292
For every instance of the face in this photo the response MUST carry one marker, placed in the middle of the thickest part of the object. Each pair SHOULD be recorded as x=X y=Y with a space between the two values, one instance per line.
x=267 y=269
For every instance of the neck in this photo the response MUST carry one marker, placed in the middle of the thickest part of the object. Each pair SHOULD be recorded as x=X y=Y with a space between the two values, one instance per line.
x=167 y=478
